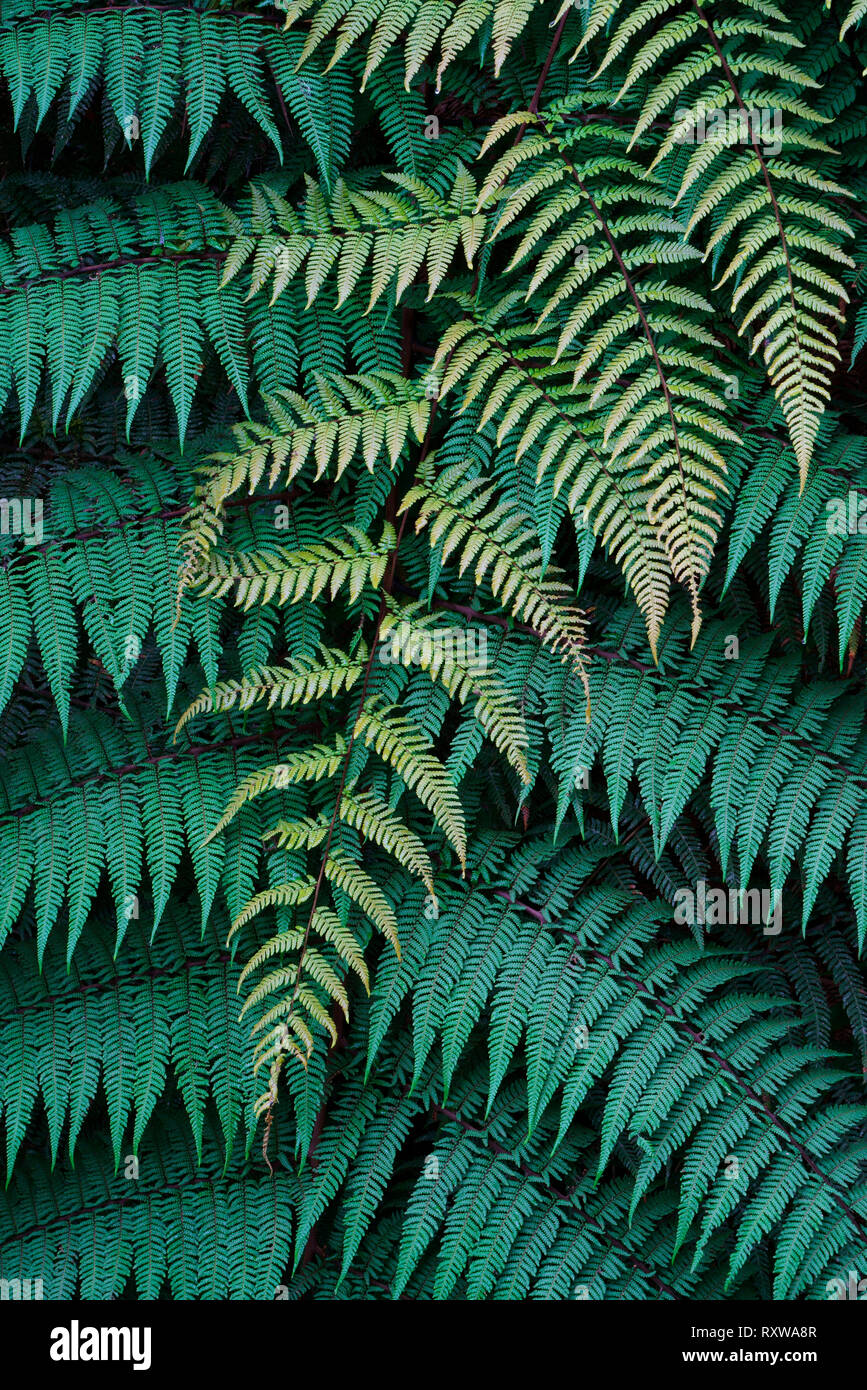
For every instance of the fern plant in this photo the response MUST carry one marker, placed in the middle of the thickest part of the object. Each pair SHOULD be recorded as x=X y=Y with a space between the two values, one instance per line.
x=432 y=651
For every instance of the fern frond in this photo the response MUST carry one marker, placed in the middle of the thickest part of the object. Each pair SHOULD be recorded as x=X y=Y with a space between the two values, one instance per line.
x=615 y=504
x=402 y=744
x=286 y=576
x=301 y=680
x=461 y=518
x=765 y=202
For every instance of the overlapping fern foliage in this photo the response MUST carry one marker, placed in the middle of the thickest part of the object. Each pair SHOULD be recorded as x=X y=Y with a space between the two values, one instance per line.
x=415 y=573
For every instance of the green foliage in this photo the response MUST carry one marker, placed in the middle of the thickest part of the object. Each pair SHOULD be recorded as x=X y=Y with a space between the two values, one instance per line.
x=780 y=258
x=434 y=810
